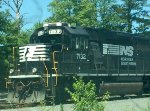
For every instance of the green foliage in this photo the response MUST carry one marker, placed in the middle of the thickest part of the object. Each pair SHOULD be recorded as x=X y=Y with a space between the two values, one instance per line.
x=109 y=14
x=61 y=11
x=132 y=11
x=4 y=22
x=84 y=96
x=96 y=13
x=73 y=12
x=85 y=15
x=37 y=25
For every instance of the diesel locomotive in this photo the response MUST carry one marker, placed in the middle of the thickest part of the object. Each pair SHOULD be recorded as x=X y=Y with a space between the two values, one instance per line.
x=116 y=62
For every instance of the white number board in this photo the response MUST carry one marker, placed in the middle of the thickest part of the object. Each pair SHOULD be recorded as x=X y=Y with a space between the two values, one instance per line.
x=55 y=31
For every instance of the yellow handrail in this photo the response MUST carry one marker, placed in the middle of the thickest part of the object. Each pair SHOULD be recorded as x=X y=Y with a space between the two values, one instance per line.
x=54 y=66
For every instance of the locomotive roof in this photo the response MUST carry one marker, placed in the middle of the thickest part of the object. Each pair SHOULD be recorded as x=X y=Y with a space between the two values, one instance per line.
x=127 y=35
x=112 y=34
x=76 y=31
x=95 y=33
x=71 y=30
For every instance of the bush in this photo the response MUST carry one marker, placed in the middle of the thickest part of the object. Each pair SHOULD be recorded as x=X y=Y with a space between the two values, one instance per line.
x=84 y=96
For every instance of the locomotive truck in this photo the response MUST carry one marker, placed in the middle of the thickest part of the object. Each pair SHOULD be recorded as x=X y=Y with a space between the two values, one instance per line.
x=117 y=62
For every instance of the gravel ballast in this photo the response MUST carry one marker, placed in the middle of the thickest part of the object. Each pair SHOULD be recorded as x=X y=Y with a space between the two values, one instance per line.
x=140 y=104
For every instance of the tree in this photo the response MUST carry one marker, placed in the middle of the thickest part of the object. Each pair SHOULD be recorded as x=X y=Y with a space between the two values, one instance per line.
x=14 y=35
x=37 y=25
x=126 y=15
x=96 y=13
x=133 y=11
x=85 y=12
x=61 y=11
x=15 y=7
x=107 y=16
x=4 y=21
x=3 y=29
x=74 y=12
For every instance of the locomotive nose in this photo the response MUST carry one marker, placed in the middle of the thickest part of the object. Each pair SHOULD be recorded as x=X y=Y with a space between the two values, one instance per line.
x=26 y=91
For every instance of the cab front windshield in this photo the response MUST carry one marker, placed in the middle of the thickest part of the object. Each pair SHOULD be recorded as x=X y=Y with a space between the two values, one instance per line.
x=49 y=39
x=51 y=36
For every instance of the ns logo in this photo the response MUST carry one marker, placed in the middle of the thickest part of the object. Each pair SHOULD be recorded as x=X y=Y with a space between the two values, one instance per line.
x=126 y=50
x=118 y=50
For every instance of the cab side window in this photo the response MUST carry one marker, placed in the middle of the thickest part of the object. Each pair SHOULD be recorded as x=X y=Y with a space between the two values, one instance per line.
x=81 y=43
x=77 y=43
x=86 y=44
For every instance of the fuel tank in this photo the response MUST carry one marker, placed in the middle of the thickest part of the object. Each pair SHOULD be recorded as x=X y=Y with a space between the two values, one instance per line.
x=121 y=88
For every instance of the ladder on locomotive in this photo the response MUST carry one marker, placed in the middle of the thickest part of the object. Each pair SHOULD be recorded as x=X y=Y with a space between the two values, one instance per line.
x=55 y=66
x=97 y=55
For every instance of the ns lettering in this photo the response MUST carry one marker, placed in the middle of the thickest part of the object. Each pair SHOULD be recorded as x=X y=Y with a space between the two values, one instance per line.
x=126 y=50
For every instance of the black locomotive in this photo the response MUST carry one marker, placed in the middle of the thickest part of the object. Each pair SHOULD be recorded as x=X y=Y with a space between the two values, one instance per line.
x=117 y=62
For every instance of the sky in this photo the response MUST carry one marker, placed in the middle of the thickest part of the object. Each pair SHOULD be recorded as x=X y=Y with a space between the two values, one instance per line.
x=35 y=11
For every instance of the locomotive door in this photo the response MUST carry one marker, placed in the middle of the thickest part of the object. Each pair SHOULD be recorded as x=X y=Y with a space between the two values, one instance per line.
x=97 y=55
